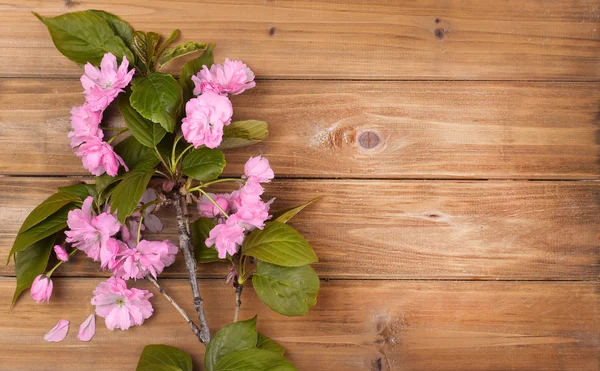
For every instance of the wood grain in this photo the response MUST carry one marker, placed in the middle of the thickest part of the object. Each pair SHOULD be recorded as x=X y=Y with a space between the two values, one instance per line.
x=318 y=129
x=356 y=325
x=403 y=229
x=378 y=39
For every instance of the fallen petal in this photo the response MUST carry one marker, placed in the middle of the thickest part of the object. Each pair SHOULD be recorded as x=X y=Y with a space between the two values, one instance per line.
x=87 y=330
x=59 y=331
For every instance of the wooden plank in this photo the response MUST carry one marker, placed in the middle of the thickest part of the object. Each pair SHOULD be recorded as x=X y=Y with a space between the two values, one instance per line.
x=379 y=39
x=403 y=229
x=320 y=129
x=356 y=325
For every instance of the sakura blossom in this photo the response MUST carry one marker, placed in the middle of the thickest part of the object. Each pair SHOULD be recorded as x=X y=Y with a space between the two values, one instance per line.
x=102 y=85
x=231 y=77
x=61 y=253
x=121 y=307
x=41 y=289
x=86 y=124
x=99 y=157
x=208 y=209
x=206 y=116
x=58 y=332
x=257 y=169
x=226 y=237
x=148 y=257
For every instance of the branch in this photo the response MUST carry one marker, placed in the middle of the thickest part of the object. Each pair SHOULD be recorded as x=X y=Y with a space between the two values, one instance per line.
x=238 y=301
x=181 y=311
x=185 y=244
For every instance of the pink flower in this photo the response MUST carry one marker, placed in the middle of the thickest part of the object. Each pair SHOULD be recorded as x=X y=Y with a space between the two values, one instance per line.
x=206 y=117
x=253 y=215
x=85 y=124
x=110 y=252
x=41 y=288
x=249 y=193
x=87 y=330
x=209 y=210
x=61 y=253
x=257 y=169
x=226 y=237
x=90 y=233
x=232 y=77
x=99 y=157
x=101 y=86
x=148 y=257
x=119 y=306
x=58 y=332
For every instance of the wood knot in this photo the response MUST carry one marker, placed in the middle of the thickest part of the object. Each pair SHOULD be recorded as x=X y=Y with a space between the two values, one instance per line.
x=272 y=31
x=439 y=33
x=368 y=139
x=437 y=20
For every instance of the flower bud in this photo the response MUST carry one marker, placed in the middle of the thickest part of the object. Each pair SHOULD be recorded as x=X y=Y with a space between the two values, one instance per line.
x=41 y=289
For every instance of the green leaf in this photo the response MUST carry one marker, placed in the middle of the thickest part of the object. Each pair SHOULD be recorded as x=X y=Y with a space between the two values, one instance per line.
x=244 y=133
x=85 y=37
x=203 y=164
x=200 y=231
x=180 y=51
x=152 y=39
x=145 y=131
x=279 y=244
x=119 y=26
x=254 y=360
x=127 y=194
x=140 y=49
x=163 y=47
x=193 y=67
x=290 y=291
x=133 y=152
x=82 y=190
x=51 y=205
x=269 y=344
x=158 y=357
x=157 y=97
x=52 y=224
x=30 y=263
x=234 y=337
x=284 y=215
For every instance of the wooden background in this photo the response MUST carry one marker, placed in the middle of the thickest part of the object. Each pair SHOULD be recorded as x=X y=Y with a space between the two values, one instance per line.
x=457 y=144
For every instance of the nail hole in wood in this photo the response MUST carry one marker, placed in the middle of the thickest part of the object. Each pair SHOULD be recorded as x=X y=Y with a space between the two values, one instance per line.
x=439 y=33
x=437 y=20
x=272 y=31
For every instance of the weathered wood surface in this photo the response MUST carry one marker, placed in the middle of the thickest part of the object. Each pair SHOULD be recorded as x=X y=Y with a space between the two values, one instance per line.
x=403 y=229
x=356 y=325
x=378 y=39
x=423 y=130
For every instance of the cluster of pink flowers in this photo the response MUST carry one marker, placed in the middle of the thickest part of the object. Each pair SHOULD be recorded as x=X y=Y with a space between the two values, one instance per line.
x=244 y=209
x=211 y=111
x=101 y=86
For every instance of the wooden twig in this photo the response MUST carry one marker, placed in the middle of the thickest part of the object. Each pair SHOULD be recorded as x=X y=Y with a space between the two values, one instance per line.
x=238 y=301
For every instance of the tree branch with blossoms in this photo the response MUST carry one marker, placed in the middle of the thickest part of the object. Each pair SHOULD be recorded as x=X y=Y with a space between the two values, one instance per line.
x=169 y=154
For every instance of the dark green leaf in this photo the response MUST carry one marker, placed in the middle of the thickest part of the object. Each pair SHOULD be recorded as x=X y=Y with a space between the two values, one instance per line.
x=126 y=195
x=157 y=97
x=203 y=164
x=193 y=67
x=104 y=185
x=158 y=357
x=152 y=39
x=200 y=230
x=254 y=360
x=279 y=244
x=163 y=47
x=30 y=263
x=80 y=190
x=244 y=133
x=290 y=291
x=119 y=26
x=140 y=49
x=85 y=37
x=269 y=344
x=52 y=224
x=145 y=131
x=284 y=215
x=50 y=205
x=234 y=337
x=180 y=51
x=133 y=152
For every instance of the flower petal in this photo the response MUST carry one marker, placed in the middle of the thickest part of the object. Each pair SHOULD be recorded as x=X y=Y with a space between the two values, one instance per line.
x=59 y=331
x=87 y=330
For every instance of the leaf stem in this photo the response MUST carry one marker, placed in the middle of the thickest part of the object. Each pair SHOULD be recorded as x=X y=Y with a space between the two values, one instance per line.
x=49 y=273
x=173 y=150
x=206 y=184
x=113 y=129
x=214 y=202
x=162 y=160
x=183 y=153
x=121 y=131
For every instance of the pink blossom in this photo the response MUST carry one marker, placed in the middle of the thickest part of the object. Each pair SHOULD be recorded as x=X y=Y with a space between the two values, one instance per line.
x=99 y=157
x=253 y=215
x=58 y=332
x=61 y=253
x=90 y=233
x=226 y=237
x=257 y=169
x=249 y=193
x=208 y=209
x=101 y=86
x=206 y=117
x=41 y=288
x=232 y=77
x=119 y=306
x=110 y=252
x=148 y=257
x=85 y=124
x=87 y=330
